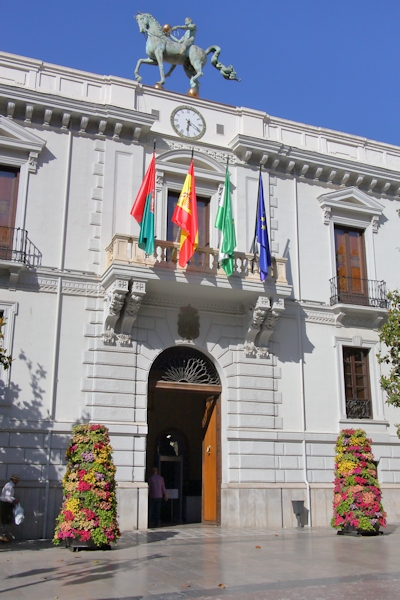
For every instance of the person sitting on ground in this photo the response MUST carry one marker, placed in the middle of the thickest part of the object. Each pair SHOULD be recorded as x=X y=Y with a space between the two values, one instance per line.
x=157 y=492
x=7 y=503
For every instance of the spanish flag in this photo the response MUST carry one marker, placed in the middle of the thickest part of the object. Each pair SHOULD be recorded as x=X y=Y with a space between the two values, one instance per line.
x=185 y=216
x=143 y=208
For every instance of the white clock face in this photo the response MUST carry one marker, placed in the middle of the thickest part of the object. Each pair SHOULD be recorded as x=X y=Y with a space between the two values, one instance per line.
x=188 y=122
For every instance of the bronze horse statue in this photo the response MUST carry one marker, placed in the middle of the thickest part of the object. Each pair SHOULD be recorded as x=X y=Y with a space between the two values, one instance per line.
x=161 y=48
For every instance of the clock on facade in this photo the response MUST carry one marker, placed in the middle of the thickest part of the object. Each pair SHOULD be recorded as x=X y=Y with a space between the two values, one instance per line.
x=188 y=122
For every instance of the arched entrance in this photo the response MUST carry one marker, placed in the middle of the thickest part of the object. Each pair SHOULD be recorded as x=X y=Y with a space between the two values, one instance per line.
x=184 y=439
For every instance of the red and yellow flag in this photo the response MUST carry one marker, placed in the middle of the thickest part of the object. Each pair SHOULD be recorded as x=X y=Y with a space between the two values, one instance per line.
x=185 y=216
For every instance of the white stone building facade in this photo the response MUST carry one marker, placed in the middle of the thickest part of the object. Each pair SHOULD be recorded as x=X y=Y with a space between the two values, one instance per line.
x=96 y=329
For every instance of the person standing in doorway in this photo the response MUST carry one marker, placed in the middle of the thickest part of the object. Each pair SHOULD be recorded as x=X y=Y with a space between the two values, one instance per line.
x=157 y=492
x=7 y=503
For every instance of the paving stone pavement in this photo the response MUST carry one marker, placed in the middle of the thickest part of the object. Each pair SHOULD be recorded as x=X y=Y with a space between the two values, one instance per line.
x=208 y=563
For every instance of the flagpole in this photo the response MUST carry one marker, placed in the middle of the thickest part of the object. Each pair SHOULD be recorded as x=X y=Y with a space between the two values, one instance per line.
x=255 y=226
x=223 y=191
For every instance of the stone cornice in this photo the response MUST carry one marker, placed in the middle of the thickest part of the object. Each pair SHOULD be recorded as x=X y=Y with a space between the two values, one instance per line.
x=47 y=109
x=316 y=166
x=46 y=280
x=338 y=315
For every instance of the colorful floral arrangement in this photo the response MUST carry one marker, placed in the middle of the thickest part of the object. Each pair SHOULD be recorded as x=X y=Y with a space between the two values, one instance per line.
x=357 y=495
x=89 y=510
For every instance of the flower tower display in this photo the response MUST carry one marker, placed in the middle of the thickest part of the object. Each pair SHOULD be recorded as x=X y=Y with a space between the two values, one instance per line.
x=357 y=495
x=89 y=510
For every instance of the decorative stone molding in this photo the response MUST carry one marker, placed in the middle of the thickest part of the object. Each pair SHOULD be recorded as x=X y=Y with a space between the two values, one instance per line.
x=47 y=117
x=10 y=109
x=253 y=351
x=345 y=178
x=115 y=298
x=327 y=214
x=352 y=202
x=109 y=337
x=247 y=156
x=304 y=170
x=123 y=339
x=132 y=306
x=65 y=120
x=32 y=162
x=28 y=114
x=101 y=128
x=221 y=157
x=264 y=317
x=137 y=132
x=117 y=131
x=375 y=224
x=318 y=173
x=84 y=124
x=159 y=180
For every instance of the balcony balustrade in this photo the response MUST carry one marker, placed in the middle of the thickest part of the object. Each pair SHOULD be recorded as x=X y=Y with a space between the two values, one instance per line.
x=15 y=246
x=125 y=249
x=358 y=409
x=360 y=292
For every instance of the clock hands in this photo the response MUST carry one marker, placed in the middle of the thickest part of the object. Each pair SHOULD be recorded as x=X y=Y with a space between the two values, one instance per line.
x=190 y=124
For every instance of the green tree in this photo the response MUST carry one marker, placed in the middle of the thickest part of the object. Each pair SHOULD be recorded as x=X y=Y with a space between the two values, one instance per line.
x=390 y=335
x=5 y=359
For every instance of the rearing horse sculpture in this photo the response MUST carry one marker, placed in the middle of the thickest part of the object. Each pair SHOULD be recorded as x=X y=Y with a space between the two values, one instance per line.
x=161 y=48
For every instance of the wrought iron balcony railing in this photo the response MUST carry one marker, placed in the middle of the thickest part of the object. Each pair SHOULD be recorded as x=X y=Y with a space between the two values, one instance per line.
x=362 y=292
x=125 y=249
x=15 y=246
x=358 y=409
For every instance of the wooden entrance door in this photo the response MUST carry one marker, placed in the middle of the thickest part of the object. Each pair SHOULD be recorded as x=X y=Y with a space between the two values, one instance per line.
x=211 y=503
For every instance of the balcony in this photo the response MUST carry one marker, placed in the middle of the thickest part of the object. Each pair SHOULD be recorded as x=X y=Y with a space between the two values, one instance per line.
x=358 y=302
x=17 y=253
x=124 y=249
x=358 y=409
x=360 y=292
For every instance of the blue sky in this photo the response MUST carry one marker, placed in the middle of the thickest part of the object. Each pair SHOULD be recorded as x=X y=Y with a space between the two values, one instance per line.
x=329 y=63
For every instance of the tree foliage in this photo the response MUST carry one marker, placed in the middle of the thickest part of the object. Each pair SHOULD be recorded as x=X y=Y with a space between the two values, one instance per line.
x=390 y=335
x=5 y=359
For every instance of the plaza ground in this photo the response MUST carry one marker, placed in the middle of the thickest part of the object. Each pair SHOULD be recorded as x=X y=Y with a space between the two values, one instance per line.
x=212 y=563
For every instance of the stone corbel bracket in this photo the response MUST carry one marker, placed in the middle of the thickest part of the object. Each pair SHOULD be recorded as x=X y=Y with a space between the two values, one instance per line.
x=264 y=317
x=114 y=302
x=132 y=305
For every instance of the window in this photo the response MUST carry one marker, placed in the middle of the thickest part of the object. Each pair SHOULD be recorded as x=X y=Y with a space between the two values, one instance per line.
x=203 y=214
x=353 y=219
x=8 y=206
x=352 y=285
x=357 y=383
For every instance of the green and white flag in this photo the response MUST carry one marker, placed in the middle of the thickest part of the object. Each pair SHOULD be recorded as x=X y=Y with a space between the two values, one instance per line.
x=225 y=223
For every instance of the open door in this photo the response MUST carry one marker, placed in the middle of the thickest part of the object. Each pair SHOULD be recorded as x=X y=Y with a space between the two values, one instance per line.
x=211 y=476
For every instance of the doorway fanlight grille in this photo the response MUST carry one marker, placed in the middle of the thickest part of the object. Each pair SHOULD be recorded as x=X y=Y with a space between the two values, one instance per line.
x=186 y=365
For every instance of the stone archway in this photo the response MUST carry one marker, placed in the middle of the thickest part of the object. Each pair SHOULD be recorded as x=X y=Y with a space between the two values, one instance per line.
x=184 y=403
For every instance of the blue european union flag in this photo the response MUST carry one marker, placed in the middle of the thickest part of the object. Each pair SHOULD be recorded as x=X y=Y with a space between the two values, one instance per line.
x=262 y=233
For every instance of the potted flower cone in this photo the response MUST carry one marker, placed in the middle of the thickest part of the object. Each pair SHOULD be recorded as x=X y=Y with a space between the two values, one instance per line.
x=357 y=496
x=88 y=516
